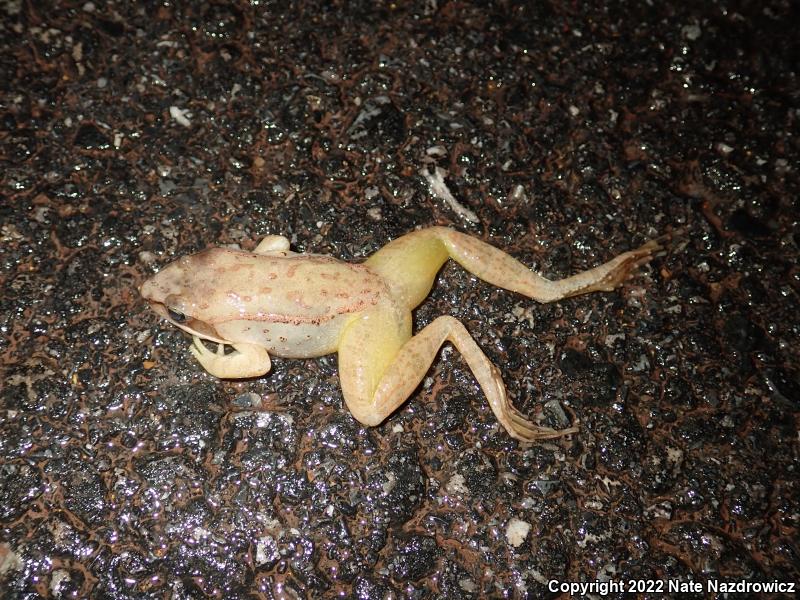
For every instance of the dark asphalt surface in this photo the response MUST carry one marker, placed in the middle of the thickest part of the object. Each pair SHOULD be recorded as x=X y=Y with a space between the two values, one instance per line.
x=134 y=133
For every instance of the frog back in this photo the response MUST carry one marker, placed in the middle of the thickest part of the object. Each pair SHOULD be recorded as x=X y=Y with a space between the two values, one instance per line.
x=298 y=289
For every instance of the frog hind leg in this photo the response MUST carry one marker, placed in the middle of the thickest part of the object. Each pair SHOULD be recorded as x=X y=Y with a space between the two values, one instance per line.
x=410 y=264
x=380 y=366
x=246 y=360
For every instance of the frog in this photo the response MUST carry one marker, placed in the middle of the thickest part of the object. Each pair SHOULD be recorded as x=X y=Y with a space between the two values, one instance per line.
x=272 y=302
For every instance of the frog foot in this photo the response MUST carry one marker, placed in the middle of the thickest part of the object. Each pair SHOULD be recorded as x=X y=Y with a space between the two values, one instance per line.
x=626 y=264
x=515 y=422
x=246 y=360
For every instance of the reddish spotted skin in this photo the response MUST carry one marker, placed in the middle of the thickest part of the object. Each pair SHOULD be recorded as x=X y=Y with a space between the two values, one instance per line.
x=293 y=305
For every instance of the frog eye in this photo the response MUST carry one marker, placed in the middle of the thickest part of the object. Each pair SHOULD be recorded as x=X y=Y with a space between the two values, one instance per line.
x=176 y=315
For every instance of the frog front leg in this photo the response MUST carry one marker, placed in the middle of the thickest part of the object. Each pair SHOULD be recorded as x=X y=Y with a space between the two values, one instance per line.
x=380 y=365
x=246 y=360
x=272 y=244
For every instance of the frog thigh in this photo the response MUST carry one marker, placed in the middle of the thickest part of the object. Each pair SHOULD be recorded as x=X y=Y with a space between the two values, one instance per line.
x=379 y=370
x=247 y=360
x=368 y=347
x=271 y=244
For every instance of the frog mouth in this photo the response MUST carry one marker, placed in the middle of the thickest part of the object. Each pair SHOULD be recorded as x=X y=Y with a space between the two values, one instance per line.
x=192 y=326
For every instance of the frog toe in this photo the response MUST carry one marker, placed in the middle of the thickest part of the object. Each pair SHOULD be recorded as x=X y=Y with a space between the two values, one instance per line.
x=247 y=360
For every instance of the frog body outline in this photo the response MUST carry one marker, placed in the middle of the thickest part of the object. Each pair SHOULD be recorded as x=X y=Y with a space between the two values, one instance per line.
x=272 y=301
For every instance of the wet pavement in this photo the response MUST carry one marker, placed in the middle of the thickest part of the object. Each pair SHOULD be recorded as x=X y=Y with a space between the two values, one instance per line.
x=563 y=133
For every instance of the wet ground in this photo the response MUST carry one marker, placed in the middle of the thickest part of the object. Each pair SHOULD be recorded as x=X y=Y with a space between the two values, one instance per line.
x=564 y=134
